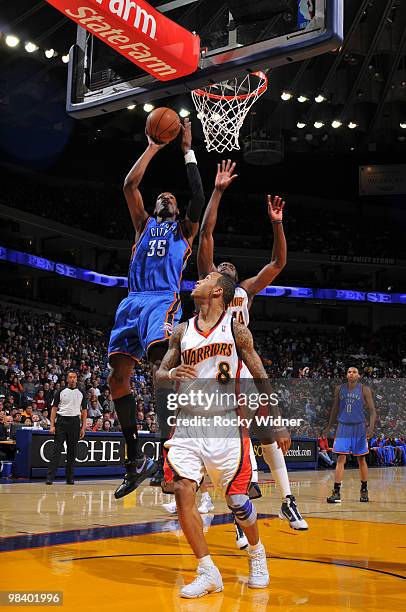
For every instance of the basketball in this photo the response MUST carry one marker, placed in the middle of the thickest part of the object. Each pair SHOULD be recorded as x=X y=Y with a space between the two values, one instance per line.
x=163 y=125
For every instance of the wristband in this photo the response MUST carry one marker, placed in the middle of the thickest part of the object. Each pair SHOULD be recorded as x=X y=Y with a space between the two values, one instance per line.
x=190 y=157
x=277 y=222
x=170 y=373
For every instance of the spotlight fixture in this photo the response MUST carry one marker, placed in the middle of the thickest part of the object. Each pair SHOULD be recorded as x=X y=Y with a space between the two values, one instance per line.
x=30 y=47
x=320 y=98
x=148 y=107
x=12 y=41
x=309 y=137
x=403 y=125
x=352 y=125
x=285 y=95
x=336 y=124
x=184 y=112
x=302 y=99
x=131 y=106
x=300 y=125
x=50 y=53
x=65 y=59
x=318 y=124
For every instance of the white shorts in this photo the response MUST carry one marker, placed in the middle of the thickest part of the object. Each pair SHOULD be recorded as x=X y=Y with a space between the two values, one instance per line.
x=227 y=461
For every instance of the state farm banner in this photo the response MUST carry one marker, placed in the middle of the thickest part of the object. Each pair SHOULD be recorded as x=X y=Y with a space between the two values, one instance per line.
x=142 y=34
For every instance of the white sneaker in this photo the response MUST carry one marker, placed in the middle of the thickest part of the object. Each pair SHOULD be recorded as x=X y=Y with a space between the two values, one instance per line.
x=170 y=507
x=206 y=505
x=290 y=512
x=240 y=537
x=259 y=575
x=208 y=580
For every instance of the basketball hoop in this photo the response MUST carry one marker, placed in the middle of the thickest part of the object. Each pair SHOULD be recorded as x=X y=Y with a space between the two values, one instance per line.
x=222 y=109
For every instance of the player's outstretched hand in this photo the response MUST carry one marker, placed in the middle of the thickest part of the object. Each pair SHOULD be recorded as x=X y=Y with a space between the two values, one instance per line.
x=186 y=142
x=225 y=175
x=275 y=208
x=153 y=144
x=183 y=371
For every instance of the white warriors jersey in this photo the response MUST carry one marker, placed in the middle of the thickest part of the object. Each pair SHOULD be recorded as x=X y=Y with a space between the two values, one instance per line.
x=214 y=353
x=239 y=306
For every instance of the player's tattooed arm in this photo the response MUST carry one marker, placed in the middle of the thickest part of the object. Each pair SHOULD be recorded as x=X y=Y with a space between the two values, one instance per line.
x=279 y=252
x=245 y=347
x=171 y=368
x=370 y=404
x=132 y=182
x=225 y=176
x=333 y=414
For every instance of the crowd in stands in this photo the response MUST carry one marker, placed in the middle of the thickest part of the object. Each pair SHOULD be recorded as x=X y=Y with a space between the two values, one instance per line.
x=83 y=205
x=38 y=349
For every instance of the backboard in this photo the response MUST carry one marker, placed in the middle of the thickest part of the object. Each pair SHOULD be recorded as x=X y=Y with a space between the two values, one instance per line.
x=236 y=36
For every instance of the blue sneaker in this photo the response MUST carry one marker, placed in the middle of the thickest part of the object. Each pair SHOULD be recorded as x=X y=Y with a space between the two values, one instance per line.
x=136 y=473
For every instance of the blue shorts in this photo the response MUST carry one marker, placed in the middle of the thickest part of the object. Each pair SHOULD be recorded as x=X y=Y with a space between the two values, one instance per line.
x=351 y=439
x=143 y=319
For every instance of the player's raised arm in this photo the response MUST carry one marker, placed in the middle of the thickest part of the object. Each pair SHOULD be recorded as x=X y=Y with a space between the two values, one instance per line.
x=205 y=252
x=132 y=182
x=197 y=200
x=245 y=347
x=170 y=368
x=279 y=252
x=333 y=414
x=370 y=404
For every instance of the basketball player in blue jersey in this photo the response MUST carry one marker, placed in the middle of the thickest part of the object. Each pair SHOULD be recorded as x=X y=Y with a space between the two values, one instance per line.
x=245 y=292
x=351 y=437
x=146 y=317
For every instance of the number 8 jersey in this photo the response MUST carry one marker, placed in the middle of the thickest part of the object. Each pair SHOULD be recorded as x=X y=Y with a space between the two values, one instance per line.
x=159 y=258
x=214 y=353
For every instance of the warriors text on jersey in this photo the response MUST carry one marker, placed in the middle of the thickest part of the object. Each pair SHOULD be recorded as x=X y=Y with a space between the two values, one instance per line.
x=213 y=354
x=159 y=257
x=351 y=407
x=239 y=306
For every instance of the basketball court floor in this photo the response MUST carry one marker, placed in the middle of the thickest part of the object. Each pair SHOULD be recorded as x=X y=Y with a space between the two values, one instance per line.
x=104 y=554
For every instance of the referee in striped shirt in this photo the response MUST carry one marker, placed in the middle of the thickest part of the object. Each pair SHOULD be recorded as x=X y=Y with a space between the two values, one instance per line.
x=69 y=408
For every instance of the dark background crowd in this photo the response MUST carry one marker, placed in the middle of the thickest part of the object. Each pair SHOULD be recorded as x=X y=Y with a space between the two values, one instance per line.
x=37 y=350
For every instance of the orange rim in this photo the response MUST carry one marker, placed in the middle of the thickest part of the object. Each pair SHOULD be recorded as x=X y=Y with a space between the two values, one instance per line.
x=257 y=92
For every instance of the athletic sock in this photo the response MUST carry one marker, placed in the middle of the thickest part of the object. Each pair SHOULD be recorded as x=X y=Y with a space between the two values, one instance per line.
x=126 y=408
x=276 y=462
x=364 y=485
x=337 y=486
x=255 y=547
x=206 y=562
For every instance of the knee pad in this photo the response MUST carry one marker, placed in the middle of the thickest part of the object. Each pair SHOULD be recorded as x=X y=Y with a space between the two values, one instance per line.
x=242 y=509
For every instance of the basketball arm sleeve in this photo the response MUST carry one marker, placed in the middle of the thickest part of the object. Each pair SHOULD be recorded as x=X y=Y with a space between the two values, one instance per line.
x=195 y=207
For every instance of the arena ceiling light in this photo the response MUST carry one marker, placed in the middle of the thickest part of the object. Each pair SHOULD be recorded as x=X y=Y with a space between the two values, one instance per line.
x=320 y=98
x=12 y=41
x=286 y=96
x=352 y=125
x=30 y=47
x=318 y=124
x=184 y=112
x=65 y=59
x=336 y=124
x=302 y=99
x=50 y=53
x=300 y=125
x=403 y=125
x=131 y=106
x=148 y=107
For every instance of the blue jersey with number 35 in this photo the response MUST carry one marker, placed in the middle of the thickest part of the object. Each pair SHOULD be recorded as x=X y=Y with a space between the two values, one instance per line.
x=159 y=257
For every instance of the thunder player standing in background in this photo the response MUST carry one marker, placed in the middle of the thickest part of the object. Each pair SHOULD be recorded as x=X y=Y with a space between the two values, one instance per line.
x=245 y=292
x=351 y=435
x=145 y=319
x=206 y=352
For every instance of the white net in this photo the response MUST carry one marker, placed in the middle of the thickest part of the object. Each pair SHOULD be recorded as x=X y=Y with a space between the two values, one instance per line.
x=222 y=109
